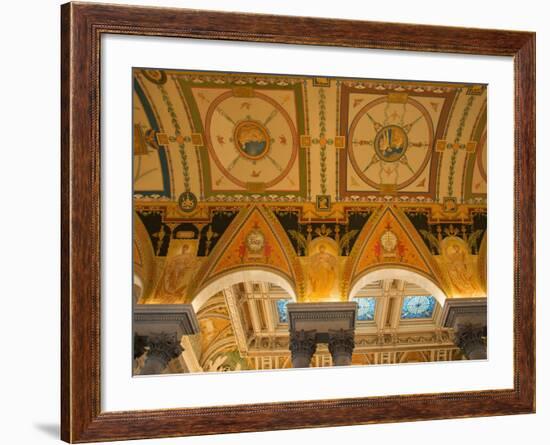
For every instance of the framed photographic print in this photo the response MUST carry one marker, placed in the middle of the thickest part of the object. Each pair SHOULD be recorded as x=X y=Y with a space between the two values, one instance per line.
x=284 y=222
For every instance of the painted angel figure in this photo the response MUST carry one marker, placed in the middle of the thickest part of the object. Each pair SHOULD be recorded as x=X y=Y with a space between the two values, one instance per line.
x=178 y=272
x=322 y=273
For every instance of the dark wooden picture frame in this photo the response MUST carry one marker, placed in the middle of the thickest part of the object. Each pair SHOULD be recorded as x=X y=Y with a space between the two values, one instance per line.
x=82 y=26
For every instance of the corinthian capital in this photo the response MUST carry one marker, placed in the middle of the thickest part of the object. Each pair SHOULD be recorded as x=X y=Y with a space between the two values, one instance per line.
x=341 y=340
x=303 y=342
x=471 y=339
x=302 y=347
x=162 y=348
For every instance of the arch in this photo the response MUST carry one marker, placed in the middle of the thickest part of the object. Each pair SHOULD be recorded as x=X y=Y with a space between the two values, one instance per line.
x=216 y=347
x=482 y=263
x=381 y=273
x=479 y=136
x=237 y=276
x=231 y=253
x=414 y=256
x=143 y=258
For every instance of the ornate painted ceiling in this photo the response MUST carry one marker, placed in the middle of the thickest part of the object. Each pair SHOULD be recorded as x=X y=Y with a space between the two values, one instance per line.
x=316 y=181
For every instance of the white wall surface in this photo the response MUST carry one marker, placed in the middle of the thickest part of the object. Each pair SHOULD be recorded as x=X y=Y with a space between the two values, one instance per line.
x=29 y=178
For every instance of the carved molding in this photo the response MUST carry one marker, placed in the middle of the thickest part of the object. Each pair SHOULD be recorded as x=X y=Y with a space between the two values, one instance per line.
x=464 y=310
x=178 y=318
x=321 y=317
x=236 y=320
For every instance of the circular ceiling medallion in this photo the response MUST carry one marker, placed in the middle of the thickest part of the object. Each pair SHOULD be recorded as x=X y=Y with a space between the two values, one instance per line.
x=255 y=241
x=391 y=143
x=155 y=76
x=187 y=202
x=417 y=306
x=251 y=139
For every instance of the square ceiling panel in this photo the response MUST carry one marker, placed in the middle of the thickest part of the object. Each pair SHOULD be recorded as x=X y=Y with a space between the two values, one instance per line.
x=417 y=306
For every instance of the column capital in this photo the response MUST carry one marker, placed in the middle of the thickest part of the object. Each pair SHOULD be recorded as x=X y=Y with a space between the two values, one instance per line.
x=302 y=347
x=471 y=339
x=341 y=340
x=162 y=325
x=162 y=348
x=303 y=341
x=468 y=318
x=340 y=344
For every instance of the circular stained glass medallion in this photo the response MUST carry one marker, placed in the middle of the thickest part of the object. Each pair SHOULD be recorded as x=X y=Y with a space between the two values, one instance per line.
x=418 y=306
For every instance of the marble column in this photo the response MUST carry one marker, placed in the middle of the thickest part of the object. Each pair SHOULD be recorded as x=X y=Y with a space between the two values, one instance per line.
x=327 y=322
x=340 y=344
x=162 y=348
x=471 y=339
x=468 y=318
x=302 y=347
x=158 y=330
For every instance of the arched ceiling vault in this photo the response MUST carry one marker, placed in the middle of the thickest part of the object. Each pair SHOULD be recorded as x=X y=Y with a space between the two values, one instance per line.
x=316 y=181
x=390 y=226
x=319 y=137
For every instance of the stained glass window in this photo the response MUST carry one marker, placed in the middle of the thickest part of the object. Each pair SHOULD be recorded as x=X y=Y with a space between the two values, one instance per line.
x=281 y=308
x=417 y=306
x=365 y=308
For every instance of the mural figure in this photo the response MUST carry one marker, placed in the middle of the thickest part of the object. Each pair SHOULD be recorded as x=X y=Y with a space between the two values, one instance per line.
x=323 y=202
x=178 y=273
x=323 y=272
x=459 y=267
